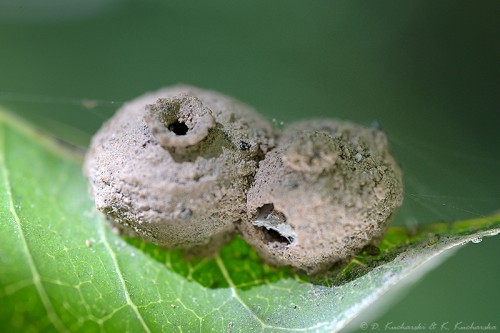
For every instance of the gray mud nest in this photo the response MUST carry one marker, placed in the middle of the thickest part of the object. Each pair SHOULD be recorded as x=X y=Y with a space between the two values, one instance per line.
x=187 y=168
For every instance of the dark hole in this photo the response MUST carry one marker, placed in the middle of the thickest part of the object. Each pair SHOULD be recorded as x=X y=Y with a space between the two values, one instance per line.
x=245 y=145
x=178 y=128
x=273 y=236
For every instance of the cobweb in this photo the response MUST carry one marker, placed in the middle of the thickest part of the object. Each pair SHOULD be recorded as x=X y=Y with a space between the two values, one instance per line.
x=445 y=180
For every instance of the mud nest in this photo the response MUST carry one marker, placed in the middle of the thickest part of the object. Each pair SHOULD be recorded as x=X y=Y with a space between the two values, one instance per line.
x=186 y=168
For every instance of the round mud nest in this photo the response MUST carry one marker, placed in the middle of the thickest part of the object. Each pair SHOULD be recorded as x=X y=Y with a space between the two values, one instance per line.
x=327 y=190
x=185 y=167
x=174 y=166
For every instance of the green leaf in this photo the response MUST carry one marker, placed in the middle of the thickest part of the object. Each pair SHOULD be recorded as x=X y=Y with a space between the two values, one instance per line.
x=63 y=269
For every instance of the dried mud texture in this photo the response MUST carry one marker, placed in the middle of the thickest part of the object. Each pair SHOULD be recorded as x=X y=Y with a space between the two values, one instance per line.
x=327 y=190
x=173 y=167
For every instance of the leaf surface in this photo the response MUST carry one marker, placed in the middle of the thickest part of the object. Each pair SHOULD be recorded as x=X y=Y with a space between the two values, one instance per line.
x=63 y=269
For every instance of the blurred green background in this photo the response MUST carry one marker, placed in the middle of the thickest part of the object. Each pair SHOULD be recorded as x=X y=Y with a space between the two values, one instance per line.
x=427 y=71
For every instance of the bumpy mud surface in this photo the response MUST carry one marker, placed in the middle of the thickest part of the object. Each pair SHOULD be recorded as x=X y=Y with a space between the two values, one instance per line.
x=184 y=167
x=328 y=189
x=174 y=166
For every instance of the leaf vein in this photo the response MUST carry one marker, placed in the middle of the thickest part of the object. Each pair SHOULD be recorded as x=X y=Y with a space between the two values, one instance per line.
x=235 y=295
x=118 y=270
x=49 y=308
